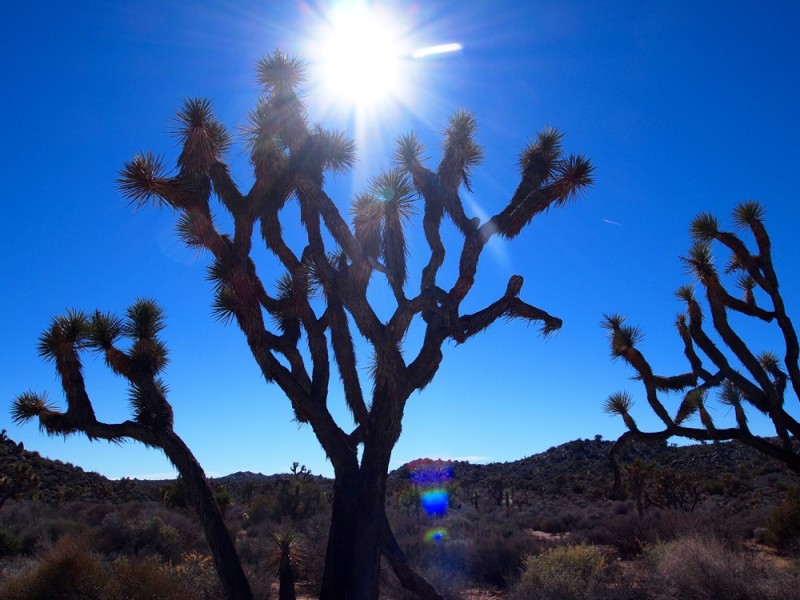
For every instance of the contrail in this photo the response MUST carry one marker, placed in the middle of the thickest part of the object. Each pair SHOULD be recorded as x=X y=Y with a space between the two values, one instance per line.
x=610 y=222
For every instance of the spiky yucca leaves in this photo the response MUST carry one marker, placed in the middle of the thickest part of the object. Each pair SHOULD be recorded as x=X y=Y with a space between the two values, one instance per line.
x=692 y=400
x=379 y=219
x=622 y=337
x=279 y=73
x=367 y=214
x=748 y=285
x=571 y=177
x=146 y=408
x=700 y=262
x=288 y=546
x=66 y=334
x=144 y=179
x=730 y=395
x=394 y=194
x=548 y=179
x=204 y=139
x=541 y=156
x=748 y=213
x=280 y=76
x=335 y=149
x=105 y=329
x=409 y=153
x=31 y=405
x=704 y=227
x=461 y=151
x=620 y=403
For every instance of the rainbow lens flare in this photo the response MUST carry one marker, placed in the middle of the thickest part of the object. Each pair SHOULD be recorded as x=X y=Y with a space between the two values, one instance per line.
x=435 y=535
x=435 y=501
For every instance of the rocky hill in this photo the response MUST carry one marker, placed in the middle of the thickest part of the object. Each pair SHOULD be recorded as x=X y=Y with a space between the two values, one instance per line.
x=578 y=467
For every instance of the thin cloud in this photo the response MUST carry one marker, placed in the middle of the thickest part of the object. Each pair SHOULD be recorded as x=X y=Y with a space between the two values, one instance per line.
x=610 y=222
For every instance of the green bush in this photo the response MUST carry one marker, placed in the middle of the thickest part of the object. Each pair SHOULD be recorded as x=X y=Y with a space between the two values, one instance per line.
x=783 y=524
x=562 y=573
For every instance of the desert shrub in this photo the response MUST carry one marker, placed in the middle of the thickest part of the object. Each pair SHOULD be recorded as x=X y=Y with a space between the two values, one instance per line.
x=783 y=524
x=67 y=572
x=147 y=579
x=116 y=536
x=705 y=569
x=223 y=498
x=561 y=573
x=496 y=559
x=70 y=571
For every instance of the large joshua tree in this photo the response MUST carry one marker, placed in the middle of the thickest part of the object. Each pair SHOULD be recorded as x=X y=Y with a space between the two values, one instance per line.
x=305 y=322
x=141 y=364
x=718 y=357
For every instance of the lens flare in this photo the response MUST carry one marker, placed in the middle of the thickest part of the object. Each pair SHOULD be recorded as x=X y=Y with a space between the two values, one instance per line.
x=435 y=502
x=436 y=535
x=431 y=478
x=438 y=49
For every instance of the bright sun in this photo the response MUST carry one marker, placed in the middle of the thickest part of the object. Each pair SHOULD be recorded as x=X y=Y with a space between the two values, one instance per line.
x=361 y=58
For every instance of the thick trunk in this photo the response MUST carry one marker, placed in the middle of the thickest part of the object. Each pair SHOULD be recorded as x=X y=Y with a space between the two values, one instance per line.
x=355 y=541
x=341 y=537
x=229 y=567
x=365 y=570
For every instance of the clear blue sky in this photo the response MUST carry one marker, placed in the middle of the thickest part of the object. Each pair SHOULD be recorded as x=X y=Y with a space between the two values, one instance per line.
x=682 y=106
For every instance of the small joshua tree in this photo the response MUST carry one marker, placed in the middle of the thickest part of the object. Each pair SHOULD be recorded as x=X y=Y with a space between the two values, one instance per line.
x=142 y=364
x=743 y=379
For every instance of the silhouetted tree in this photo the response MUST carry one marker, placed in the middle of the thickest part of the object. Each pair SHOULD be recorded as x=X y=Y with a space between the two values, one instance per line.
x=321 y=295
x=743 y=379
x=286 y=556
x=63 y=343
x=305 y=323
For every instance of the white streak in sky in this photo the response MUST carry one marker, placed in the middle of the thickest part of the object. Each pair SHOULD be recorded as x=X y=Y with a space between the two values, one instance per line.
x=440 y=49
x=612 y=222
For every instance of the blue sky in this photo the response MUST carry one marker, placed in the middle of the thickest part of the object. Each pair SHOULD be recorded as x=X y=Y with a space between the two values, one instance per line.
x=683 y=107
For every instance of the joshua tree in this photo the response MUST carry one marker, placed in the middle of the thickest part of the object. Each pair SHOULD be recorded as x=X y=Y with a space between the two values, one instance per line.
x=743 y=379
x=142 y=364
x=287 y=555
x=321 y=297
x=319 y=300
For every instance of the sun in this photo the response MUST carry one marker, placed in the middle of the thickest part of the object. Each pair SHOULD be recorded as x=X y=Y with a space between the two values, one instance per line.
x=360 y=57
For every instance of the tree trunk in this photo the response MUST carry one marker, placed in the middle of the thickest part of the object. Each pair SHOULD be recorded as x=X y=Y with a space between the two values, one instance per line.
x=229 y=567
x=364 y=574
x=341 y=537
x=286 y=580
x=355 y=541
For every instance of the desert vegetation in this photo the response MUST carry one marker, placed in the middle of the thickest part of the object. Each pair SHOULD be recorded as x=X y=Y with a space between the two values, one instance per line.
x=296 y=273
x=567 y=538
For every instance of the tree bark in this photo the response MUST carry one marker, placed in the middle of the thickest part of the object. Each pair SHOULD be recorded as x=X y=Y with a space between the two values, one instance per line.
x=226 y=559
x=341 y=537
